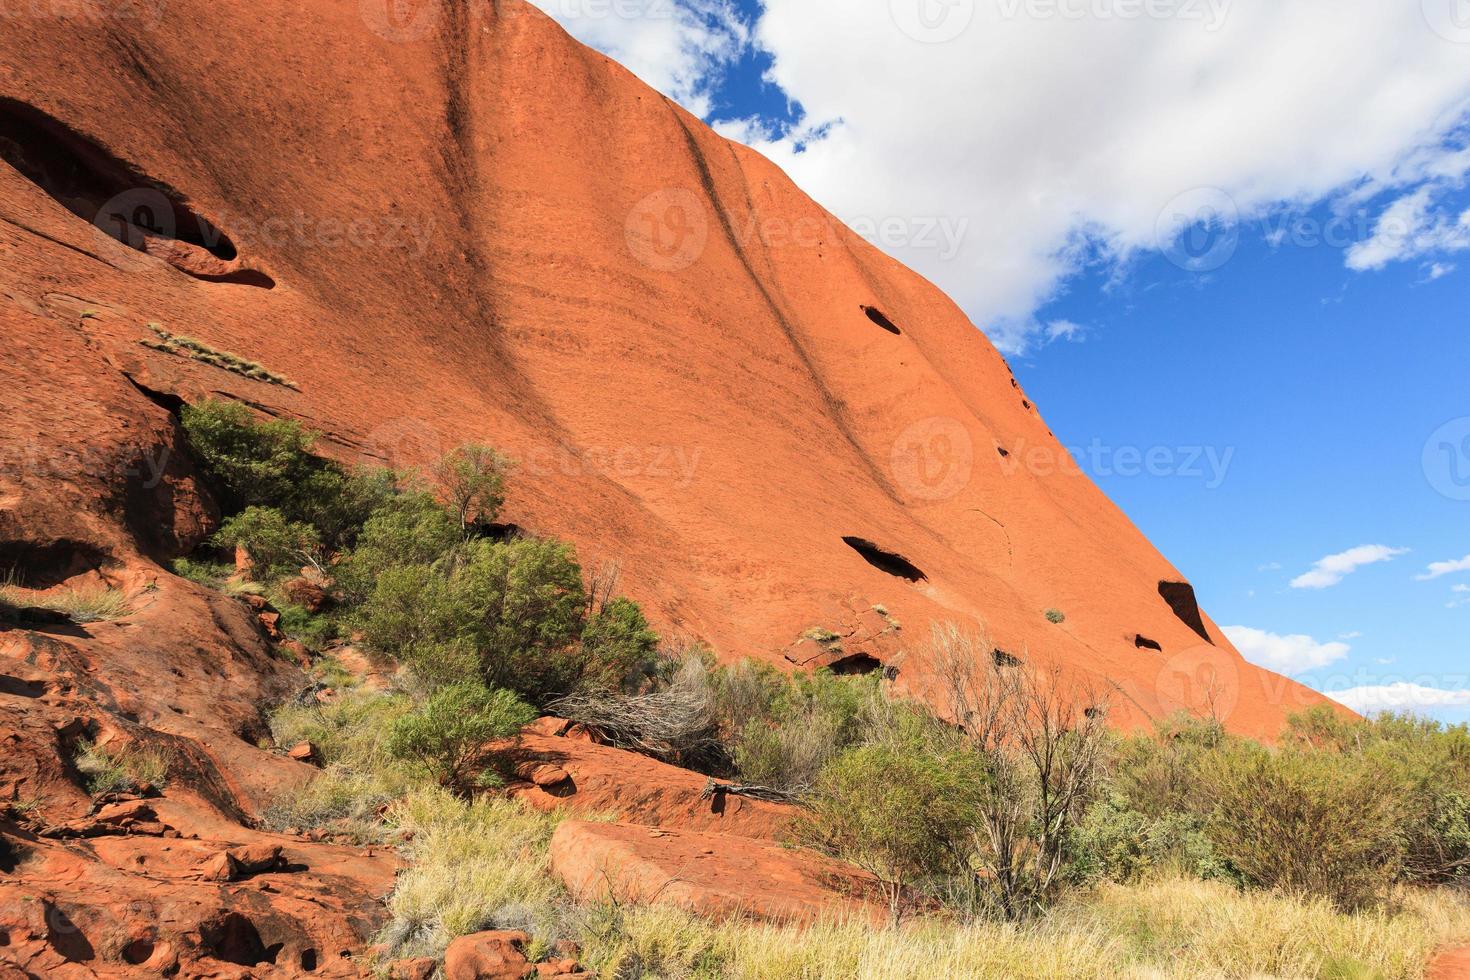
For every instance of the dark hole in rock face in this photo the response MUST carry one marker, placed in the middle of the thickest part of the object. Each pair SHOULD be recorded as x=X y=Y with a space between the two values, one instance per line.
x=1144 y=643
x=1094 y=713
x=308 y=960
x=114 y=196
x=233 y=938
x=138 y=951
x=856 y=663
x=1180 y=597
x=886 y=561
x=1004 y=453
x=169 y=402
x=1003 y=659
x=876 y=315
x=41 y=566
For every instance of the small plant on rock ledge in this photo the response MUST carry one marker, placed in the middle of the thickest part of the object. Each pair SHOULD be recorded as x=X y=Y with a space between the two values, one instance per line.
x=1056 y=616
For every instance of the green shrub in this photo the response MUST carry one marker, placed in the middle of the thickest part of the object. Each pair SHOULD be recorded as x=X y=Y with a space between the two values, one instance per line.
x=409 y=529
x=619 y=649
x=339 y=503
x=904 y=816
x=448 y=733
x=279 y=547
x=1307 y=821
x=806 y=722
x=252 y=463
x=1056 y=617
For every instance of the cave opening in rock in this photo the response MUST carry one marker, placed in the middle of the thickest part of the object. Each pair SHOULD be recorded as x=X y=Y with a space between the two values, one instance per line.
x=1144 y=643
x=109 y=193
x=878 y=317
x=886 y=561
x=1181 y=599
x=856 y=664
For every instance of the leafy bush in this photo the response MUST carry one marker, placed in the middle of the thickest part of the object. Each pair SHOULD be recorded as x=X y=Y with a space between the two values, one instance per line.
x=1310 y=822
x=1056 y=617
x=409 y=529
x=278 y=546
x=619 y=649
x=472 y=482
x=252 y=462
x=448 y=733
x=808 y=722
x=899 y=813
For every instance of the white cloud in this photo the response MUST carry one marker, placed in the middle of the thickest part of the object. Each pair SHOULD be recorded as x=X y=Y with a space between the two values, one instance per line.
x=1295 y=654
x=1351 y=635
x=1439 y=569
x=1066 y=134
x=1411 y=227
x=1402 y=696
x=1334 y=568
x=677 y=46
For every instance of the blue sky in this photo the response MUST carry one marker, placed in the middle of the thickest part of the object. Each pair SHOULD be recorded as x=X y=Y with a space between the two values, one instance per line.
x=1231 y=237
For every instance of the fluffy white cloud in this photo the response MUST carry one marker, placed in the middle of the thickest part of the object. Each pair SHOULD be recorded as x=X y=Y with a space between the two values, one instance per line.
x=1402 y=696
x=1334 y=568
x=1062 y=132
x=1411 y=227
x=676 y=46
x=1294 y=654
x=1439 y=569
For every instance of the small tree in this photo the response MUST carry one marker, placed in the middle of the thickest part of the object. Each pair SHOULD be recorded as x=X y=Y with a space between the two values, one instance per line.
x=449 y=733
x=900 y=813
x=1043 y=738
x=472 y=481
x=277 y=546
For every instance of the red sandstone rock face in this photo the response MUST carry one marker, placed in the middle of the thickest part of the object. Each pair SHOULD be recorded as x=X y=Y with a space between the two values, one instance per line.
x=712 y=874
x=464 y=226
x=434 y=245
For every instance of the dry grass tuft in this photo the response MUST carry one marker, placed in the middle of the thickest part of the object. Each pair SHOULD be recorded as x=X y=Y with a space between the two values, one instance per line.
x=128 y=768
x=197 y=350
x=89 y=604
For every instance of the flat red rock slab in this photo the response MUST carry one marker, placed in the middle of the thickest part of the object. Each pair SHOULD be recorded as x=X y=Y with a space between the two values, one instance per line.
x=626 y=785
x=715 y=875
